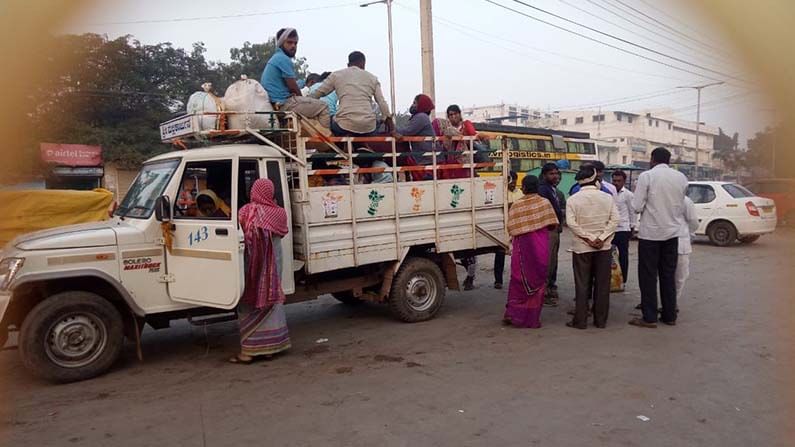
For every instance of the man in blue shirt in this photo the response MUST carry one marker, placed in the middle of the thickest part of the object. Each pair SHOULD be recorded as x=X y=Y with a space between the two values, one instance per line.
x=279 y=80
x=600 y=171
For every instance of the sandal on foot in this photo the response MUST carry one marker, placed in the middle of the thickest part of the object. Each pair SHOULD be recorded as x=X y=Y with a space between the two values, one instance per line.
x=241 y=360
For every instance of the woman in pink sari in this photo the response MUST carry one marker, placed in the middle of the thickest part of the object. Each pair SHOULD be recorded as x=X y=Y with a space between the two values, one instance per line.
x=263 y=325
x=529 y=221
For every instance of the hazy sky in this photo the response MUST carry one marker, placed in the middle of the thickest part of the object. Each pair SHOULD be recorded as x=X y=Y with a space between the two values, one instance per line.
x=484 y=54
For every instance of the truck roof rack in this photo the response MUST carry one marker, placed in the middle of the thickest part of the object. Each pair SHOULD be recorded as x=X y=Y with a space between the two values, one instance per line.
x=214 y=126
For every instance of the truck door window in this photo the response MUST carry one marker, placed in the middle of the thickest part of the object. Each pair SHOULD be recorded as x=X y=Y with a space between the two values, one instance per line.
x=205 y=191
x=248 y=173
x=275 y=175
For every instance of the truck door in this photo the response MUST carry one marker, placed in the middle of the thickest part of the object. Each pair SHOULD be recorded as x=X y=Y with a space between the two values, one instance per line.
x=205 y=265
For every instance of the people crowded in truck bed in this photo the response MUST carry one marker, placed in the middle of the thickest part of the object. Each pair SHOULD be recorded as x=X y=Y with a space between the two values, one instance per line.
x=350 y=102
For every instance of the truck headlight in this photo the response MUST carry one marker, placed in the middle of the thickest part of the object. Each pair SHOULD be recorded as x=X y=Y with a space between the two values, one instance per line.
x=8 y=269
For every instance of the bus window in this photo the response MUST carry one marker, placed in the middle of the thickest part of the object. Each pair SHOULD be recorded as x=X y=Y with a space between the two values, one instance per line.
x=544 y=146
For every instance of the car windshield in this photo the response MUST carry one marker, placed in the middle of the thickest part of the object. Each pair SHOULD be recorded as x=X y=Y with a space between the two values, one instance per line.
x=147 y=187
x=737 y=191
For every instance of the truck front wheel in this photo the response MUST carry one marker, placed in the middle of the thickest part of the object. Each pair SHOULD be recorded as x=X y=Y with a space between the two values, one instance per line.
x=71 y=336
x=417 y=291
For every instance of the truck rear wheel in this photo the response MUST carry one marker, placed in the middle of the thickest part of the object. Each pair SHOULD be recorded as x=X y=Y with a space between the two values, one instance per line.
x=71 y=336
x=417 y=291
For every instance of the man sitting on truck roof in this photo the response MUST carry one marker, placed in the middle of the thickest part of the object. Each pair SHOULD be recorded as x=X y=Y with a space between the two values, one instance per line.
x=356 y=88
x=279 y=80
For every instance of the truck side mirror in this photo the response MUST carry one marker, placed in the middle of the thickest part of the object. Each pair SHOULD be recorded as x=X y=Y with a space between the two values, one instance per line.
x=163 y=209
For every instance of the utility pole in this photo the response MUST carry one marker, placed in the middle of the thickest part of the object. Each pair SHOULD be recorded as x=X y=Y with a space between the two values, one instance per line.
x=388 y=4
x=698 y=88
x=426 y=38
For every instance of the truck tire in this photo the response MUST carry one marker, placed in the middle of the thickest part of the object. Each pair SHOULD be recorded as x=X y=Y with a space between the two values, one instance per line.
x=347 y=298
x=722 y=233
x=417 y=291
x=71 y=336
x=748 y=239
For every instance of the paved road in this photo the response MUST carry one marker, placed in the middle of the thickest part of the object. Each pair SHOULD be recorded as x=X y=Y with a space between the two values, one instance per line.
x=716 y=379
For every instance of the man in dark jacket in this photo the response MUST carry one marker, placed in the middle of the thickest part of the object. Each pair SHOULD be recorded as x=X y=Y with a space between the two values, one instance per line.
x=550 y=178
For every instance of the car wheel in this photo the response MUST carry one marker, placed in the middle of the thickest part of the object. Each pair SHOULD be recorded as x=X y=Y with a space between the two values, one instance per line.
x=748 y=239
x=417 y=291
x=71 y=336
x=722 y=233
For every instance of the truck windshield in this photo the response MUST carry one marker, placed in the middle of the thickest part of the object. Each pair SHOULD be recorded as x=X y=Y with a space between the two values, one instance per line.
x=147 y=187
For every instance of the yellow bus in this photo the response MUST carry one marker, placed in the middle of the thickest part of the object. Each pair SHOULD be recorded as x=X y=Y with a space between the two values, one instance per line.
x=529 y=148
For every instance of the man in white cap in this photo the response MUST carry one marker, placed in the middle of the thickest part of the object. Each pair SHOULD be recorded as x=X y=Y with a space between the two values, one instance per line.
x=279 y=80
x=592 y=217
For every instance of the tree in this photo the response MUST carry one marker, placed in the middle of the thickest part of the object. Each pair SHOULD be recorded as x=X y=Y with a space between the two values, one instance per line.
x=114 y=93
x=762 y=146
x=725 y=143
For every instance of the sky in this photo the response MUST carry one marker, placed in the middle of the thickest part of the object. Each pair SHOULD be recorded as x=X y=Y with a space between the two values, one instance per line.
x=484 y=53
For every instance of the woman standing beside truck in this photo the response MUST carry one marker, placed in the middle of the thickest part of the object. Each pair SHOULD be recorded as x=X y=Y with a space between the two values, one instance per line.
x=263 y=325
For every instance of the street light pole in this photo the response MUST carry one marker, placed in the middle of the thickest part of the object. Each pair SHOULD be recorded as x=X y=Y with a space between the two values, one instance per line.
x=698 y=88
x=388 y=4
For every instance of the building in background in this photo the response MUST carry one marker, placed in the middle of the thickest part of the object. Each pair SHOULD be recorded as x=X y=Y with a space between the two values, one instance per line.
x=629 y=138
x=508 y=115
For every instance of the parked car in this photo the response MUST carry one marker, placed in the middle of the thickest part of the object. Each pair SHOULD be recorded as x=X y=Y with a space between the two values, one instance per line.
x=782 y=191
x=728 y=212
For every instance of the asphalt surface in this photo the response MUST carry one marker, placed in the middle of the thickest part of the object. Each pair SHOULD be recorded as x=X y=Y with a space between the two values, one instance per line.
x=721 y=377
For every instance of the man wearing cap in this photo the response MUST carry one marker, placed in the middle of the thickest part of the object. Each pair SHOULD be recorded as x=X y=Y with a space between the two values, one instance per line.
x=356 y=89
x=592 y=217
x=279 y=80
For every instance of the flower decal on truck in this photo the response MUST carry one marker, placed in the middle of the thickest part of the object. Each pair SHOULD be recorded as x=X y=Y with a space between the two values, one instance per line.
x=456 y=191
x=489 y=189
x=417 y=194
x=331 y=204
x=375 y=199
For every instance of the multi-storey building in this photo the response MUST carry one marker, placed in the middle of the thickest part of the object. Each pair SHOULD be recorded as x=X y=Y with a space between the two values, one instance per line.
x=507 y=115
x=627 y=137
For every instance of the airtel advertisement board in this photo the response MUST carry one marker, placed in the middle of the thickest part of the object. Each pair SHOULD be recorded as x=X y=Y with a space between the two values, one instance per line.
x=71 y=154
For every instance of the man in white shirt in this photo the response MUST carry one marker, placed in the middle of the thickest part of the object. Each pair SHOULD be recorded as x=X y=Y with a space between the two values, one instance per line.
x=626 y=223
x=689 y=226
x=356 y=88
x=659 y=198
x=592 y=217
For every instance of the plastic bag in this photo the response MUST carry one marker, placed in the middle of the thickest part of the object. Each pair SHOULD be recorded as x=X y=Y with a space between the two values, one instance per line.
x=247 y=95
x=205 y=102
x=616 y=277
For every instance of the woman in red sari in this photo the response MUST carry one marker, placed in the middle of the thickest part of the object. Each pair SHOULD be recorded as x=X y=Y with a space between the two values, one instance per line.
x=529 y=221
x=263 y=325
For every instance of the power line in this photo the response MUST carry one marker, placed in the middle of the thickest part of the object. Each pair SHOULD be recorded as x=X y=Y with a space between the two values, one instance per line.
x=468 y=31
x=665 y=25
x=624 y=100
x=625 y=41
x=229 y=16
x=647 y=29
x=584 y=36
x=674 y=19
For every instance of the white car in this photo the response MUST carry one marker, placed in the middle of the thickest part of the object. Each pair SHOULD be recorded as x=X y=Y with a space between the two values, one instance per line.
x=728 y=212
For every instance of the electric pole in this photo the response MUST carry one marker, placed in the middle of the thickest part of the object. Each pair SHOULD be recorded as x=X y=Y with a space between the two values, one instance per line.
x=426 y=38
x=698 y=88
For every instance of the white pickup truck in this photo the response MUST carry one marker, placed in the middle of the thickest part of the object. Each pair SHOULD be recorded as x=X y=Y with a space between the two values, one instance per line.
x=73 y=293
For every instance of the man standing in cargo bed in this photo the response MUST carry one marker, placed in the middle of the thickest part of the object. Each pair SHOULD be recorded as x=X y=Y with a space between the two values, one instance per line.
x=279 y=81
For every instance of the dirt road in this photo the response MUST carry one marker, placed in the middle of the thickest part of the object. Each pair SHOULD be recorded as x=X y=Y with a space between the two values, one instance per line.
x=716 y=379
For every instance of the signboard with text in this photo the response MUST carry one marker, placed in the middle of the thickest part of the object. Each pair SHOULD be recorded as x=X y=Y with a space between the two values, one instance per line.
x=71 y=154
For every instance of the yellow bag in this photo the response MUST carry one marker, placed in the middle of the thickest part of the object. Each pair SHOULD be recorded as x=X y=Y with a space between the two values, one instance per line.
x=27 y=211
x=616 y=277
